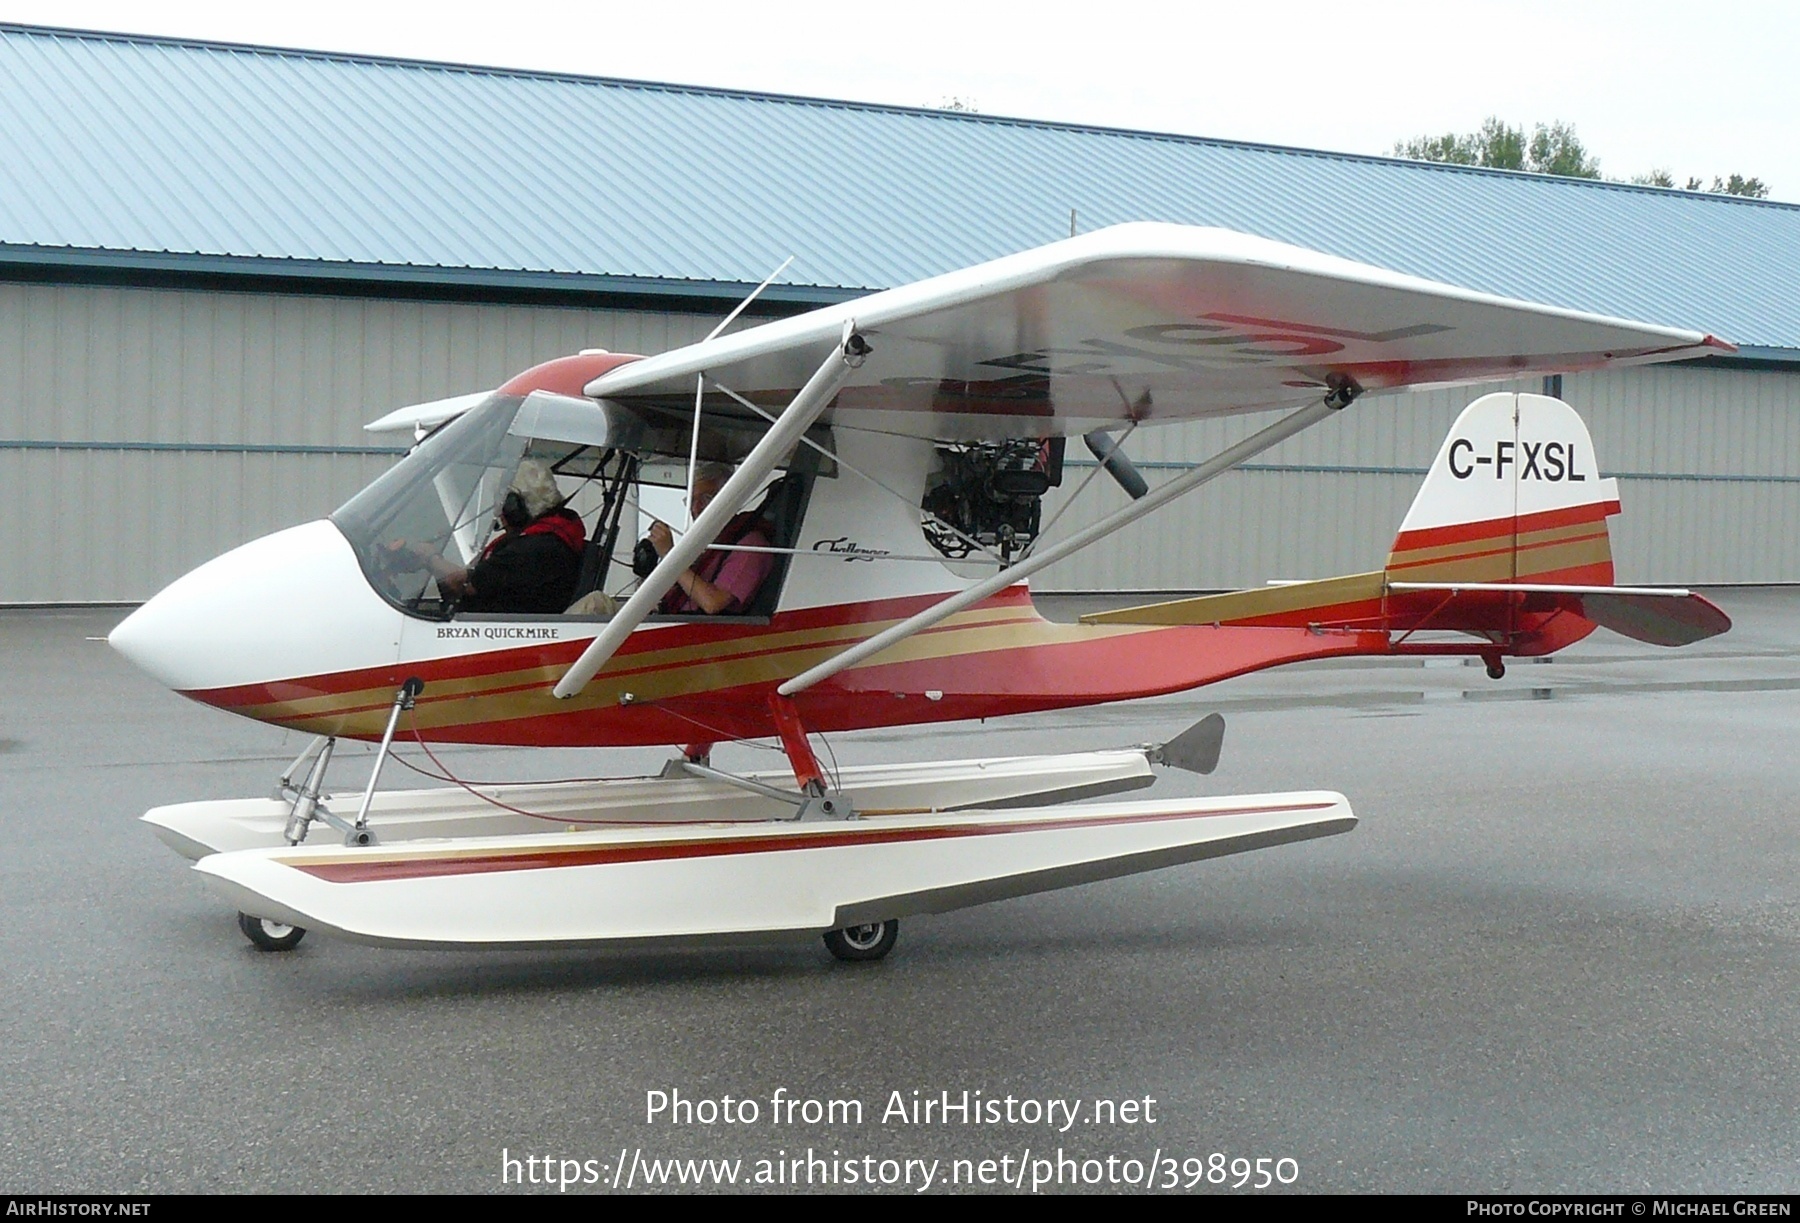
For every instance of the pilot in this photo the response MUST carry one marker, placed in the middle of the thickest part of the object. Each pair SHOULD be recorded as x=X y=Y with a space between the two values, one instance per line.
x=722 y=582
x=532 y=566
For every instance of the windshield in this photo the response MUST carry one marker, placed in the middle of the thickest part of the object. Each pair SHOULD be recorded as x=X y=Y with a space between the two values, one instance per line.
x=420 y=529
x=440 y=500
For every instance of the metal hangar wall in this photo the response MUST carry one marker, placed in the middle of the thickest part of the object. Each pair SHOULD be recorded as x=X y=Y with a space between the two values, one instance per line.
x=152 y=429
x=218 y=262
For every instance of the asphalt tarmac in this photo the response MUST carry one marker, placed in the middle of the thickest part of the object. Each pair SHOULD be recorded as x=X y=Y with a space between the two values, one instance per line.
x=1560 y=954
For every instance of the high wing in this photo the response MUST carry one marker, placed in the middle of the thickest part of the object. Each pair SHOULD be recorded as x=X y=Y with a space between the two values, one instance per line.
x=421 y=418
x=1148 y=322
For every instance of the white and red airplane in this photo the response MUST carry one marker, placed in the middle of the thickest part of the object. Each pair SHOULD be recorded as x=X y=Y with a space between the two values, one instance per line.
x=893 y=452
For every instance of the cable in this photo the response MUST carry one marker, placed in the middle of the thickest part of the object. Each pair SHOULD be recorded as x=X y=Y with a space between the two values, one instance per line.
x=555 y=781
x=446 y=775
x=719 y=736
x=530 y=815
x=837 y=782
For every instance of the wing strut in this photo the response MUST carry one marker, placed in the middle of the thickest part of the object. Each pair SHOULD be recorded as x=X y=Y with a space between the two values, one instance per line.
x=781 y=437
x=1340 y=397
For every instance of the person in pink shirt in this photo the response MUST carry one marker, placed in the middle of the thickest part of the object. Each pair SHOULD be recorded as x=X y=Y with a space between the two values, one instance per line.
x=722 y=582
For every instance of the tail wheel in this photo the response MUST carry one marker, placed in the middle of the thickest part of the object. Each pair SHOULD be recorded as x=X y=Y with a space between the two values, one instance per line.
x=870 y=941
x=270 y=935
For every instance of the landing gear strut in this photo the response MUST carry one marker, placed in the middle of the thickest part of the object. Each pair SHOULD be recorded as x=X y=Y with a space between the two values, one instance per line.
x=308 y=798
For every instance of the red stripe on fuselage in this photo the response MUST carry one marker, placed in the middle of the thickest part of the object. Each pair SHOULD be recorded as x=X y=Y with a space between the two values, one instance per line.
x=1488 y=528
x=992 y=683
x=1506 y=549
x=477 y=663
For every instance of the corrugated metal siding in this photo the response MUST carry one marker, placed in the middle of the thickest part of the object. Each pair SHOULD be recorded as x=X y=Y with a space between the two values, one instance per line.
x=268 y=375
x=129 y=144
x=1709 y=471
x=1708 y=464
x=1709 y=459
x=108 y=526
x=1324 y=503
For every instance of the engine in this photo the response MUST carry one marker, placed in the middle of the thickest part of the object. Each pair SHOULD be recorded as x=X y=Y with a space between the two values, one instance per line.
x=990 y=493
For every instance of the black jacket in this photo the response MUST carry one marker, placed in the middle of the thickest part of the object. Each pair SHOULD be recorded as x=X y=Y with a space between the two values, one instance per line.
x=533 y=572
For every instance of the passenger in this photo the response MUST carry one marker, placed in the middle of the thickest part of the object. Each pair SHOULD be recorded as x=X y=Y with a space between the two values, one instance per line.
x=722 y=582
x=532 y=566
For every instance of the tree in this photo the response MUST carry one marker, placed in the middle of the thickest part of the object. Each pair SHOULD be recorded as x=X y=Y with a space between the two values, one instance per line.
x=1451 y=148
x=1557 y=150
x=1496 y=146
x=1551 y=149
x=1739 y=185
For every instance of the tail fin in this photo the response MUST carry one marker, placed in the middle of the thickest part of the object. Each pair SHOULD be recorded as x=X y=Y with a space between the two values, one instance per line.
x=1513 y=496
x=1506 y=542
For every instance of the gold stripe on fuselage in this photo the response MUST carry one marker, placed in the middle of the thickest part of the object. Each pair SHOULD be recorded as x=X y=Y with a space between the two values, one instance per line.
x=1499 y=539
x=659 y=674
x=1493 y=559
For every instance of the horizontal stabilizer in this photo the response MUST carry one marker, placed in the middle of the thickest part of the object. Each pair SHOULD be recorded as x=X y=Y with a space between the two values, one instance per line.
x=1654 y=621
x=1365 y=601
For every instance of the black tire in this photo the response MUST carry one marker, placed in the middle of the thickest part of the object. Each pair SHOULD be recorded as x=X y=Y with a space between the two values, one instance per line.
x=270 y=935
x=858 y=944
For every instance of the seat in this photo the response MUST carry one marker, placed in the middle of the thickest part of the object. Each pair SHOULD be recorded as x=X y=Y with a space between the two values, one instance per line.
x=783 y=508
x=593 y=568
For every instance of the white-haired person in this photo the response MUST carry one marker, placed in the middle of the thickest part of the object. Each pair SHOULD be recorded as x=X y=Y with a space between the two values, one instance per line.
x=532 y=566
x=721 y=582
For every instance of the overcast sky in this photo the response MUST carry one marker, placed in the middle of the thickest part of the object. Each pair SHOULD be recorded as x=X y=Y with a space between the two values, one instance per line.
x=1697 y=89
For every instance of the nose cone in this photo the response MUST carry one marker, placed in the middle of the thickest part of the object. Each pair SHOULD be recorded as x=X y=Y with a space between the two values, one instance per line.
x=288 y=605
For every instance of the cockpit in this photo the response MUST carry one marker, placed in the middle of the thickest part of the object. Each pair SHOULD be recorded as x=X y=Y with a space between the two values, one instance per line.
x=618 y=467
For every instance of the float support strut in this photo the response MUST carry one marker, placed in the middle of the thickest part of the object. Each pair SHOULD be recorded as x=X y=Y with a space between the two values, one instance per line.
x=403 y=701
x=807 y=773
x=306 y=803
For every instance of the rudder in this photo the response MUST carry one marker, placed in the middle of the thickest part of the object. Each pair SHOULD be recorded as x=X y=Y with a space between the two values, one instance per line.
x=1506 y=542
x=1514 y=495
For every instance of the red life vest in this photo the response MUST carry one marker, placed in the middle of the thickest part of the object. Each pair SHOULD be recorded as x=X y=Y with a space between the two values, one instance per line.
x=676 y=601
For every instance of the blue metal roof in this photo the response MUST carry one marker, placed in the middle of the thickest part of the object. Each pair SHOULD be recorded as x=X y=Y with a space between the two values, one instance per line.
x=135 y=152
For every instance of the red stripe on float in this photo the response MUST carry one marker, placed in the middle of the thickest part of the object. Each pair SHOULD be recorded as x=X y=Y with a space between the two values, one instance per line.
x=657 y=851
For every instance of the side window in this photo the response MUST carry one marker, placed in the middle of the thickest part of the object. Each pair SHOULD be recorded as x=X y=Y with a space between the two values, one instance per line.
x=748 y=563
x=533 y=505
x=602 y=490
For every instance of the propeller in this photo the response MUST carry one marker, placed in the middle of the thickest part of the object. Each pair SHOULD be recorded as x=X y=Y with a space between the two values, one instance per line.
x=1124 y=473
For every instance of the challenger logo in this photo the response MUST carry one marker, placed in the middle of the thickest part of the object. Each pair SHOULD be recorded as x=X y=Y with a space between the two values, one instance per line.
x=849 y=549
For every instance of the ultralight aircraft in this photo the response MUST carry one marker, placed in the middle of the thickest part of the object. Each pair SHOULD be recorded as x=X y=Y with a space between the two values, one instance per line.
x=895 y=451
